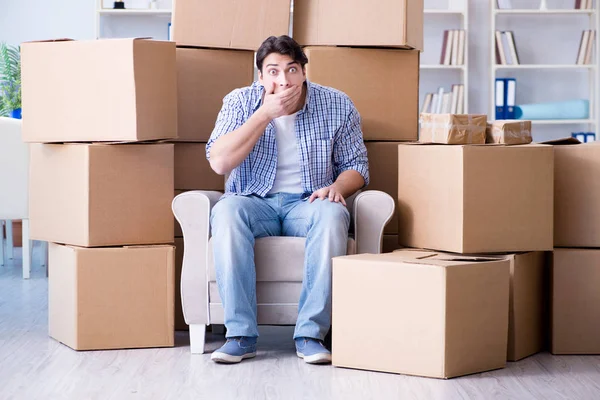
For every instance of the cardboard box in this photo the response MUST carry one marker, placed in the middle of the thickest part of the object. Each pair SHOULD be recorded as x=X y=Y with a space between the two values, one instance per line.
x=527 y=313
x=178 y=231
x=229 y=24
x=387 y=23
x=383 y=170
x=445 y=316
x=17 y=232
x=111 y=298
x=577 y=195
x=387 y=101
x=452 y=128
x=475 y=198
x=180 y=324
x=101 y=195
x=192 y=169
x=575 y=301
x=100 y=90
x=204 y=78
x=509 y=132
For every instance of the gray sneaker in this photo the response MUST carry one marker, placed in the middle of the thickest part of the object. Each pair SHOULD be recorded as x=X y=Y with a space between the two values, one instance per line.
x=235 y=350
x=313 y=351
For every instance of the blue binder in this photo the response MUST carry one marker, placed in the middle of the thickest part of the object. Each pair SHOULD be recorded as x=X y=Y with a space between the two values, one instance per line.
x=510 y=95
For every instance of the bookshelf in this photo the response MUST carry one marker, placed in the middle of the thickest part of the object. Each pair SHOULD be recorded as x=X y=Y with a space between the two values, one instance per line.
x=441 y=16
x=566 y=72
x=138 y=19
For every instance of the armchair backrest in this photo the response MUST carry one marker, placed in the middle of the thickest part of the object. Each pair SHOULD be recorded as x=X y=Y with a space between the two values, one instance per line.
x=14 y=171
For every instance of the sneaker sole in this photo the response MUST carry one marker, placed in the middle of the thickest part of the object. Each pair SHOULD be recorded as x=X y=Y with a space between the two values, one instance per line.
x=320 y=358
x=225 y=358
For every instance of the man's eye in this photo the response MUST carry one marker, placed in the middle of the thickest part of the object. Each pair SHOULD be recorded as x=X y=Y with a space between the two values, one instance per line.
x=272 y=72
x=293 y=69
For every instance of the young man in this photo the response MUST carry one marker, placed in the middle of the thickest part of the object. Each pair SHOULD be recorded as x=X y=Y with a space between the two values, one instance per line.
x=294 y=152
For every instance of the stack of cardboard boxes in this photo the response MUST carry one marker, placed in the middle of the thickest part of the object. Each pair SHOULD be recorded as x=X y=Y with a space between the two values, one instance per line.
x=371 y=54
x=101 y=186
x=216 y=44
x=575 y=273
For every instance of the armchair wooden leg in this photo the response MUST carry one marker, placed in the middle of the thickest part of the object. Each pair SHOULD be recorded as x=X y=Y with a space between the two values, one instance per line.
x=26 y=250
x=197 y=338
x=9 y=240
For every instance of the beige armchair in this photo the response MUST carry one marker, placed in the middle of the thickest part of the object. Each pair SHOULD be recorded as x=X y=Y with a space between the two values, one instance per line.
x=279 y=261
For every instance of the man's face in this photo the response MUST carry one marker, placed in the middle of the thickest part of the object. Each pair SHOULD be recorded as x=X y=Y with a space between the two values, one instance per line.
x=281 y=71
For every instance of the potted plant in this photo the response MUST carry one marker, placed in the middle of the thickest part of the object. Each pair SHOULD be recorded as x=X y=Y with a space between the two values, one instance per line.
x=10 y=81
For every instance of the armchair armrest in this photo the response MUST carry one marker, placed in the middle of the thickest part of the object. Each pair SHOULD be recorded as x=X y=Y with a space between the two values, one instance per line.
x=192 y=211
x=373 y=209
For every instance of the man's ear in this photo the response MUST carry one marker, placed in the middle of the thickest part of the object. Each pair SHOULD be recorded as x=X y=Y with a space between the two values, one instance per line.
x=260 y=77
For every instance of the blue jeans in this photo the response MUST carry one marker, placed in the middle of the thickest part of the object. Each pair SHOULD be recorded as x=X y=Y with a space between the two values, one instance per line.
x=236 y=221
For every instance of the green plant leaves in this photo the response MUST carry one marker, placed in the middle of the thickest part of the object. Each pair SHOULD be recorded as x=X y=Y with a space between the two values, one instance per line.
x=10 y=78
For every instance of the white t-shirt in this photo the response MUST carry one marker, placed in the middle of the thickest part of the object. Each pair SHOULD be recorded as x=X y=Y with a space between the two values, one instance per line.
x=288 y=177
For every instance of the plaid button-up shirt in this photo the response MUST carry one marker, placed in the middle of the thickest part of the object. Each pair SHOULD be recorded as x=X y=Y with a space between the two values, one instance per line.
x=328 y=134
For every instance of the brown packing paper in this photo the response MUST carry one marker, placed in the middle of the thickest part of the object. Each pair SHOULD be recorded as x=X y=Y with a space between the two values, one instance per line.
x=509 y=132
x=452 y=128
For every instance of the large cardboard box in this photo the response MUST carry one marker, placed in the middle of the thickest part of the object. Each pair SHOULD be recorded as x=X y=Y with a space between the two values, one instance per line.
x=387 y=23
x=528 y=315
x=111 y=298
x=204 y=78
x=101 y=195
x=192 y=169
x=527 y=312
x=575 y=301
x=577 y=195
x=445 y=316
x=100 y=90
x=476 y=199
x=229 y=24
x=180 y=324
x=383 y=171
x=382 y=83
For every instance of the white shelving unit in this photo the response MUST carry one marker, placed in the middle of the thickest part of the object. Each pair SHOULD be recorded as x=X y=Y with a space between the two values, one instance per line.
x=592 y=69
x=455 y=9
x=137 y=20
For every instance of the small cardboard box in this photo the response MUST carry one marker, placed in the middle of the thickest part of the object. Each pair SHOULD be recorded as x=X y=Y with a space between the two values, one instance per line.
x=204 y=78
x=111 y=297
x=509 y=132
x=101 y=194
x=476 y=198
x=387 y=23
x=576 y=194
x=452 y=128
x=387 y=101
x=192 y=169
x=445 y=316
x=229 y=24
x=575 y=301
x=99 y=90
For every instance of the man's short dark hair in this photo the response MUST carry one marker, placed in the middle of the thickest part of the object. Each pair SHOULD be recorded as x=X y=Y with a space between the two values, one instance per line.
x=283 y=45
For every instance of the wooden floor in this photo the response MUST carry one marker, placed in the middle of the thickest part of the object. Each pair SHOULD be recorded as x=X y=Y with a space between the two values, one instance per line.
x=34 y=366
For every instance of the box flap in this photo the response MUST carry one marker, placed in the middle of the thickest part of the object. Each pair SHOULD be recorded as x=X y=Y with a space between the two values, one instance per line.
x=50 y=40
x=562 y=141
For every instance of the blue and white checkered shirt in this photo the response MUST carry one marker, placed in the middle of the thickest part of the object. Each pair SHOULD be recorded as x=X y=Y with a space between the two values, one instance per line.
x=328 y=133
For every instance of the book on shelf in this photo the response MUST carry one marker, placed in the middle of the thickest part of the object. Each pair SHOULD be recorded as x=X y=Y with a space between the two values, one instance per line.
x=453 y=47
x=586 y=47
x=506 y=48
x=443 y=102
x=584 y=4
